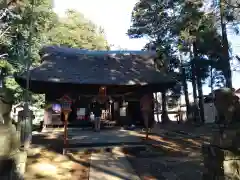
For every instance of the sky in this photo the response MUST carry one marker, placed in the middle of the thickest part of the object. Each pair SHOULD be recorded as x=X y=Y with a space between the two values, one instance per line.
x=115 y=17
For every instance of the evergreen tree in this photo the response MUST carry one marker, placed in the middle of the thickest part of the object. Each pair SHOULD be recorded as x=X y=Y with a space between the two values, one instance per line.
x=185 y=27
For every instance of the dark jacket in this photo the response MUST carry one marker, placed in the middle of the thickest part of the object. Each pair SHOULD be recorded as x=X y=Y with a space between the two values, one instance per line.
x=97 y=108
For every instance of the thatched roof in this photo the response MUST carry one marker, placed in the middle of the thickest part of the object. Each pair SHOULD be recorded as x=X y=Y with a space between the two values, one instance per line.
x=75 y=66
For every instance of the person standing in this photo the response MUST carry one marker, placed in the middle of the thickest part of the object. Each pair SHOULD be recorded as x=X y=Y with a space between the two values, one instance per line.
x=146 y=108
x=97 y=108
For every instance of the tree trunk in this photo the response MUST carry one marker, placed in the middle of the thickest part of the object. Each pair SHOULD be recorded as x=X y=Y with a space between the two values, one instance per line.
x=185 y=89
x=199 y=86
x=28 y=94
x=226 y=65
x=156 y=103
x=193 y=72
x=194 y=85
x=201 y=100
x=164 y=117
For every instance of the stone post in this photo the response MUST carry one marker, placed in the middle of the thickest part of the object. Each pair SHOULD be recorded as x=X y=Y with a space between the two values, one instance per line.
x=25 y=126
x=12 y=160
x=222 y=156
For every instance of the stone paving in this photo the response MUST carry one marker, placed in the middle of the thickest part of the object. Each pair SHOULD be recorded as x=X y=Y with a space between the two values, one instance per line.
x=107 y=165
x=103 y=137
x=111 y=166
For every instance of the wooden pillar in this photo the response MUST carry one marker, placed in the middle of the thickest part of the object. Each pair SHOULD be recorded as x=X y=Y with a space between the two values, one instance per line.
x=66 y=114
x=116 y=111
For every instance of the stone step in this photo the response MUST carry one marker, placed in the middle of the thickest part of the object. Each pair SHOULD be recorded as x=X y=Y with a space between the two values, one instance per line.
x=104 y=147
x=111 y=166
x=101 y=144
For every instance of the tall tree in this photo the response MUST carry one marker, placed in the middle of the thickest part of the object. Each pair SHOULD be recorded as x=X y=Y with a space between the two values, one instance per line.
x=42 y=20
x=227 y=69
x=199 y=34
x=155 y=19
x=75 y=30
x=227 y=16
x=180 y=24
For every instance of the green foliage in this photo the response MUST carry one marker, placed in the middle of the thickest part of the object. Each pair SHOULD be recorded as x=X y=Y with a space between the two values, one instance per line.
x=25 y=26
x=231 y=9
x=76 y=31
x=17 y=91
x=177 y=24
x=173 y=26
x=7 y=67
x=25 y=15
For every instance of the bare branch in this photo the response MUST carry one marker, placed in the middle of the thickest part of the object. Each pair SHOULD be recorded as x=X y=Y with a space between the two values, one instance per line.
x=3 y=55
x=3 y=14
x=231 y=5
x=4 y=32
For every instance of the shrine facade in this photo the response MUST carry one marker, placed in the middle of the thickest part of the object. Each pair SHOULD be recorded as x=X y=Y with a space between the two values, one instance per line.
x=80 y=74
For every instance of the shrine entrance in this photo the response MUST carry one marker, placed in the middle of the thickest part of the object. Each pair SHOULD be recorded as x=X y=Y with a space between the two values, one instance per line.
x=135 y=113
x=80 y=112
x=80 y=73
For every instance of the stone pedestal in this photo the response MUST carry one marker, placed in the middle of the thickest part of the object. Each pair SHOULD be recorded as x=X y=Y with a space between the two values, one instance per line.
x=213 y=158
x=222 y=156
x=12 y=160
x=13 y=167
x=20 y=160
x=221 y=164
x=231 y=165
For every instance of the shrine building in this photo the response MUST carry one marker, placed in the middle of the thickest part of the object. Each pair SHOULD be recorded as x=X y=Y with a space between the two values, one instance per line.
x=123 y=76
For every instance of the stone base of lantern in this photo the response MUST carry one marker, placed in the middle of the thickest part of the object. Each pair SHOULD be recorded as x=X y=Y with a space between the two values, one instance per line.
x=222 y=156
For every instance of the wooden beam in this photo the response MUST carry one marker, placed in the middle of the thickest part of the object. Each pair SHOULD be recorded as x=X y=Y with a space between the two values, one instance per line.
x=115 y=95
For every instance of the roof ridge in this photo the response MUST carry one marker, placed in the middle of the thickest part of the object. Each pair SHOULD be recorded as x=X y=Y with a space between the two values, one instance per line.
x=61 y=49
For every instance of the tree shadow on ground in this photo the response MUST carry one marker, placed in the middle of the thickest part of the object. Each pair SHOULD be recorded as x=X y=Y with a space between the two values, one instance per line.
x=51 y=141
x=148 y=165
x=45 y=160
x=107 y=163
x=47 y=149
x=172 y=152
x=167 y=157
x=174 y=146
x=178 y=139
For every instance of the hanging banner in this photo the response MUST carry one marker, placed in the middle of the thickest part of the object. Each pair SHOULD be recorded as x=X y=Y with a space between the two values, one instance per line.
x=81 y=112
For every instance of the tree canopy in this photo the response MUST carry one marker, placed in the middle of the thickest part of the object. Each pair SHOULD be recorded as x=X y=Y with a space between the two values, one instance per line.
x=179 y=27
x=28 y=25
x=75 y=30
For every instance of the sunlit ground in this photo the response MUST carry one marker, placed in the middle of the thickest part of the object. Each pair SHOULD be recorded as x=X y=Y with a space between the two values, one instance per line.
x=45 y=164
x=175 y=145
x=168 y=156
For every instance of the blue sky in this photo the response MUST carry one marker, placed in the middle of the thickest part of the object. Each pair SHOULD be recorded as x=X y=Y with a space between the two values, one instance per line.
x=115 y=17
